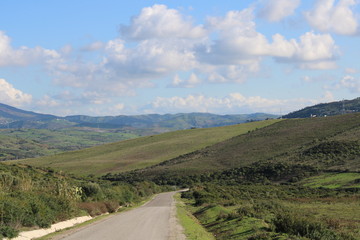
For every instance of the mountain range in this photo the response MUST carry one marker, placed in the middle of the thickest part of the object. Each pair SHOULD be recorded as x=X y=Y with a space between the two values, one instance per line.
x=11 y=117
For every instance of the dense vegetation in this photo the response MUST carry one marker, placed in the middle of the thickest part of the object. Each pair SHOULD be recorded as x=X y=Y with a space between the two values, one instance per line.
x=327 y=109
x=258 y=211
x=37 y=198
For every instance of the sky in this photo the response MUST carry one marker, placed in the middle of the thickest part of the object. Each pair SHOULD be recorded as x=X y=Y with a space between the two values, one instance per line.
x=110 y=57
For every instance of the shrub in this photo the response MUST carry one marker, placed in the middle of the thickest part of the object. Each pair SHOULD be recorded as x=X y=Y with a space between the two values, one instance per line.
x=301 y=226
x=92 y=190
x=94 y=208
x=8 y=232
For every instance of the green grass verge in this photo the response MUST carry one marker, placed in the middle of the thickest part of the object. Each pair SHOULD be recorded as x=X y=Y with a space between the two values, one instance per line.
x=193 y=229
x=333 y=180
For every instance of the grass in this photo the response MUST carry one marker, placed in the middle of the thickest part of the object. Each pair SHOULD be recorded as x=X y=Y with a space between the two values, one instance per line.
x=141 y=152
x=333 y=180
x=253 y=215
x=341 y=214
x=193 y=229
x=284 y=141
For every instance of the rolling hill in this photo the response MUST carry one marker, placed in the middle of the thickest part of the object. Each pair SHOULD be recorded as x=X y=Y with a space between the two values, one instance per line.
x=327 y=109
x=141 y=152
x=10 y=114
x=331 y=143
x=29 y=143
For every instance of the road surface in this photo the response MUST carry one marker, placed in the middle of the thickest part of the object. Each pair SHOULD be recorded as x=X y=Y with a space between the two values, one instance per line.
x=156 y=220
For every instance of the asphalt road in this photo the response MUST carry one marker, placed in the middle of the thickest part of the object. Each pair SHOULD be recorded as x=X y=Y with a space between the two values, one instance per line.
x=152 y=221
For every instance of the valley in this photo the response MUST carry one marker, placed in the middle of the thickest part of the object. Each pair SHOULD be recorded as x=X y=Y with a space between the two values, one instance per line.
x=270 y=179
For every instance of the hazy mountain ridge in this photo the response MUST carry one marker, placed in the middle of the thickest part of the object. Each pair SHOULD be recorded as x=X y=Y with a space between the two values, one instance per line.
x=11 y=117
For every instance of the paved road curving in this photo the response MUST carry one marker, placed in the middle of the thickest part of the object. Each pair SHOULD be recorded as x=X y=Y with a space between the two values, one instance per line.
x=155 y=220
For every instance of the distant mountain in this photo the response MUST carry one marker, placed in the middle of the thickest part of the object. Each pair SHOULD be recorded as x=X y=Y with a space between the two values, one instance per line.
x=11 y=114
x=327 y=109
x=11 y=117
x=168 y=121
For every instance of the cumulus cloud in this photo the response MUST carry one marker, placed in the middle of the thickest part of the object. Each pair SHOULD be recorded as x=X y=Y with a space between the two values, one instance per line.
x=312 y=51
x=23 y=55
x=12 y=96
x=351 y=70
x=161 y=22
x=149 y=59
x=94 y=46
x=240 y=44
x=165 y=43
x=47 y=102
x=233 y=103
x=351 y=83
x=191 y=82
x=320 y=78
x=168 y=43
x=339 y=18
x=276 y=10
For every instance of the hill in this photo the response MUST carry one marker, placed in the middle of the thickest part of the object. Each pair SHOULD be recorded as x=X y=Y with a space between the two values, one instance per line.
x=11 y=117
x=141 y=152
x=29 y=143
x=34 y=198
x=9 y=114
x=331 y=143
x=327 y=109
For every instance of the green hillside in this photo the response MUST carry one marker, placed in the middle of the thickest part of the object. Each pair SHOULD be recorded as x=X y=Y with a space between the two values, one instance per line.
x=327 y=109
x=326 y=143
x=142 y=152
x=29 y=143
x=33 y=198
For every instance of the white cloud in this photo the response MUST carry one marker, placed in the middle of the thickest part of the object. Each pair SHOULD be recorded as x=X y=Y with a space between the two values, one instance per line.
x=47 y=101
x=191 y=82
x=339 y=18
x=313 y=51
x=150 y=58
x=23 y=55
x=233 y=103
x=349 y=82
x=240 y=44
x=276 y=10
x=351 y=70
x=12 y=96
x=319 y=78
x=94 y=46
x=233 y=55
x=161 y=22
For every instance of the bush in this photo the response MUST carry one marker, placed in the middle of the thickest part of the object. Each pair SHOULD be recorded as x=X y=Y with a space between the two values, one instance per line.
x=8 y=232
x=92 y=190
x=301 y=226
x=94 y=208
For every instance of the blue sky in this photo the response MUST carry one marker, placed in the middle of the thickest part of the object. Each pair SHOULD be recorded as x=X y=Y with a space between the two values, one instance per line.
x=228 y=57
